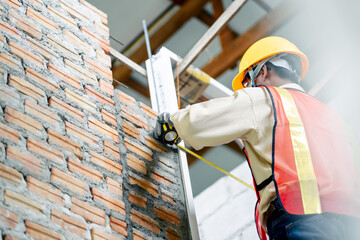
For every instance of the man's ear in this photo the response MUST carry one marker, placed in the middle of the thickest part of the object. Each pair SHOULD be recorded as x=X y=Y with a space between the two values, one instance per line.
x=264 y=71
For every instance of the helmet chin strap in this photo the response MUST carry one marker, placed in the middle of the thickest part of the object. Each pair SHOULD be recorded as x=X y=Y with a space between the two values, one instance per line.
x=254 y=72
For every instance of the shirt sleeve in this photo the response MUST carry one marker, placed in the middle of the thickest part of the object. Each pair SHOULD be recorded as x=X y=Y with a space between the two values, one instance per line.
x=217 y=121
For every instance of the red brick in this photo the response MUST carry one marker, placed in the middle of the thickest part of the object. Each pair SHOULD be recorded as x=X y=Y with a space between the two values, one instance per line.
x=172 y=234
x=44 y=51
x=65 y=49
x=84 y=46
x=98 y=96
x=126 y=98
x=161 y=179
x=97 y=234
x=72 y=183
x=118 y=226
x=26 y=87
x=37 y=231
x=64 y=76
x=134 y=118
x=106 y=163
x=130 y=130
x=74 y=10
x=144 y=221
x=103 y=57
x=87 y=211
x=167 y=196
x=103 y=128
x=81 y=101
x=25 y=54
x=39 y=18
x=9 y=237
x=27 y=26
x=81 y=134
x=42 y=113
x=5 y=27
x=10 y=174
x=45 y=150
x=137 y=235
x=16 y=200
x=137 y=199
x=148 y=111
x=114 y=187
x=108 y=200
x=38 y=3
x=76 y=166
x=112 y=150
x=23 y=121
x=57 y=103
x=101 y=14
x=69 y=223
x=108 y=117
x=81 y=72
x=167 y=215
x=136 y=163
x=9 y=133
x=44 y=190
x=102 y=29
x=62 y=17
x=148 y=186
x=139 y=150
x=102 y=71
x=8 y=217
x=103 y=43
x=64 y=142
x=9 y=95
x=107 y=87
x=30 y=162
x=13 y=3
x=10 y=61
x=41 y=79
x=153 y=144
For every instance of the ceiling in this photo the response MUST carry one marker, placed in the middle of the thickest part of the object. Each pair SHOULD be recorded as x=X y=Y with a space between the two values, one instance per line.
x=326 y=31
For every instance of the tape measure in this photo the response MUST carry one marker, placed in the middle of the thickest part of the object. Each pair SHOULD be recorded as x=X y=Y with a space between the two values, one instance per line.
x=169 y=134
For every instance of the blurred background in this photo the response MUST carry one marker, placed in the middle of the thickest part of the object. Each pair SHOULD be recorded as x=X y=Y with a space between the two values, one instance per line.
x=327 y=32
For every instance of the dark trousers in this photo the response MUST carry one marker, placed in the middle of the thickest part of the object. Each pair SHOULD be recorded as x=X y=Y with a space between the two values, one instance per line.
x=326 y=226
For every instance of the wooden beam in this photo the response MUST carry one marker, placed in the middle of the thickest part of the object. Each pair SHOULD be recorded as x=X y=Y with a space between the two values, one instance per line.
x=205 y=40
x=225 y=34
x=188 y=10
x=234 y=51
x=141 y=89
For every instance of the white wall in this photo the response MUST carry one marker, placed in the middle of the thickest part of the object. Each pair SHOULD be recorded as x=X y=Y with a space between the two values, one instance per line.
x=225 y=210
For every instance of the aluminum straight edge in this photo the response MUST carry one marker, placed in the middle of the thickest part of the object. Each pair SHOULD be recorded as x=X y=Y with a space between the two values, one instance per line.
x=162 y=62
x=128 y=62
x=211 y=33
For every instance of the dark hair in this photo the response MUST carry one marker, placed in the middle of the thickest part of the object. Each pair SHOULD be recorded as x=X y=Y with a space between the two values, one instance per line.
x=295 y=63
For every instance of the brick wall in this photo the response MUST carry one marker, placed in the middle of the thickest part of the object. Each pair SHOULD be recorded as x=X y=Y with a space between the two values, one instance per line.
x=77 y=160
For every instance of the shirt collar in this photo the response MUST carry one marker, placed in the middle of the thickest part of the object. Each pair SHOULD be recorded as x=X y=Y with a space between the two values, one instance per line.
x=292 y=86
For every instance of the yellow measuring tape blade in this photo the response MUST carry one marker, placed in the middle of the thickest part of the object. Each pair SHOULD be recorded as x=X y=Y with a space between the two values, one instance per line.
x=222 y=170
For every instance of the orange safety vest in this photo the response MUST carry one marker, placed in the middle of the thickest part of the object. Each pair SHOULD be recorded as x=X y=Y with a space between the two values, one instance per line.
x=313 y=164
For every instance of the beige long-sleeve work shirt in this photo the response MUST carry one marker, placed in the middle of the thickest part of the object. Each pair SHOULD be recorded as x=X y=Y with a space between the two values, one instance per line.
x=247 y=115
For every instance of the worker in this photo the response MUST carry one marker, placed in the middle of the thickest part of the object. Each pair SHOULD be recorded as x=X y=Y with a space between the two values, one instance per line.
x=302 y=163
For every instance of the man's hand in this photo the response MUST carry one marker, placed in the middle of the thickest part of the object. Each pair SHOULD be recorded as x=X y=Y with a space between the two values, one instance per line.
x=165 y=131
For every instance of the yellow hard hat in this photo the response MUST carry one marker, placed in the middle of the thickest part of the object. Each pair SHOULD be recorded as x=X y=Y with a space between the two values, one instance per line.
x=265 y=48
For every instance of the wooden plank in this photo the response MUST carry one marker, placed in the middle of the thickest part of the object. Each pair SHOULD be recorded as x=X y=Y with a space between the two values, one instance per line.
x=233 y=52
x=188 y=10
x=226 y=35
x=128 y=62
x=210 y=34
